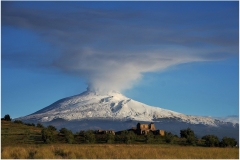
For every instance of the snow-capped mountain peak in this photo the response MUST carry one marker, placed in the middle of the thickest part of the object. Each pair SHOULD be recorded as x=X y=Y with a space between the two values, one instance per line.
x=109 y=105
x=95 y=109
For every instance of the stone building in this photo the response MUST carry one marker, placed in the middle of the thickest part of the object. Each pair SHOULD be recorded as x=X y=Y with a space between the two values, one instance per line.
x=159 y=132
x=144 y=129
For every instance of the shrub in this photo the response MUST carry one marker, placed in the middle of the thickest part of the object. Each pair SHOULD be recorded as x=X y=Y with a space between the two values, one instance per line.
x=81 y=133
x=185 y=133
x=211 y=140
x=168 y=137
x=149 y=138
x=39 y=125
x=89 y=136
x=228 y=142
x=189 y=135
x=69 y=137
x=63 y=130
x=191 y=140
x=110 y=138
x=52 y=128
x=29 y=124
x=7 y=117
x=18 y=122
x=129 y=136
x=47 y=135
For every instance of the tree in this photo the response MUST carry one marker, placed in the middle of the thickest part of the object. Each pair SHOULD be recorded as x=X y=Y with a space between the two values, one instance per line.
x=228 y=142
x=47 y=135
x=149 y=137
x=89 y=136
x=128 y=136
x=69 y=137
x=81 y=133
x=110 y=138
x=189 y=135
x=39 y=125
x=18 y=122
x=7 y=117
x=185 y=133
x=63 y=130
x=52 y=128
x=191 y=140
x=168 y=137
x=211 y=140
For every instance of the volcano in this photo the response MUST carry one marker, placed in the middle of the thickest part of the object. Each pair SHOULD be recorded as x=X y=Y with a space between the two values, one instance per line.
x=113 y=110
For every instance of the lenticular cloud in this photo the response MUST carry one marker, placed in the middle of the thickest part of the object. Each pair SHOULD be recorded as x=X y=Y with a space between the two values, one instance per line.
x=113 y=48
x=119 y=71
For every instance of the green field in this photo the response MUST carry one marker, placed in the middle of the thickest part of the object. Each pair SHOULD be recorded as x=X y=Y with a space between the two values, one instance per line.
x=22 y=141
x=13 y=133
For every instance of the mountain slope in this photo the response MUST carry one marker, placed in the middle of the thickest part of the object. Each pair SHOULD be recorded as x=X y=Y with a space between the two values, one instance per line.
x=112 y=110
x=111 y=105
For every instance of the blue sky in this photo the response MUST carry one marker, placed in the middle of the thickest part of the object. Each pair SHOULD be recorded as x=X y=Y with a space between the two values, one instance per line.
x=181 y=56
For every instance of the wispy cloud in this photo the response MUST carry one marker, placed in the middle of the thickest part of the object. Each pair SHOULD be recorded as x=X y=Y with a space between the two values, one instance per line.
x=232 y=118
x=112 y=48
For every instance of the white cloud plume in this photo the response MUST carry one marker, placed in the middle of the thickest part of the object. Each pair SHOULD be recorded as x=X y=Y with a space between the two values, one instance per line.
x=118 y=70
x=112 y=48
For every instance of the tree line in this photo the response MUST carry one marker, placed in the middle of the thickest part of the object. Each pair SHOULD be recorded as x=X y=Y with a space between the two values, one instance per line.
x=50 y=134
x=187 y=137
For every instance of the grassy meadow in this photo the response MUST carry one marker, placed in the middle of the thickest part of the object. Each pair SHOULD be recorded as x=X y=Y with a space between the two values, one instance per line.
x=116 y=151
x=13 y=133
x=21 y=141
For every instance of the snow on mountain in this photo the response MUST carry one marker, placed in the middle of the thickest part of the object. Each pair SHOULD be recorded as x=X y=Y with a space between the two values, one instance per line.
x=109 y=105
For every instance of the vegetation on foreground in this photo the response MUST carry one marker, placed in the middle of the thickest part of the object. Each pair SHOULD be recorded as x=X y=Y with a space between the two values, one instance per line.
x=119 y=151
x=24 y=140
